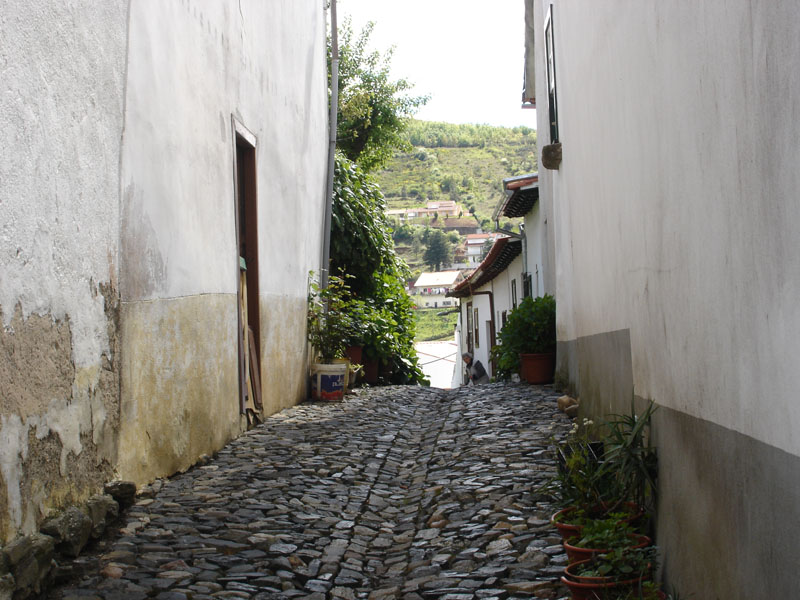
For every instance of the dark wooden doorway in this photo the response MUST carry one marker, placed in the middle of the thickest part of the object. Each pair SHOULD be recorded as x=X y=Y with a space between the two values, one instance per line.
x=246 y=201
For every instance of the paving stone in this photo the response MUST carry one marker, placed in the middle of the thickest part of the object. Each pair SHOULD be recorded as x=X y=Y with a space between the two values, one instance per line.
x=396 y=492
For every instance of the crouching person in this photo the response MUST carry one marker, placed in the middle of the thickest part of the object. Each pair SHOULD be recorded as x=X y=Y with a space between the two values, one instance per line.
x=475 y=371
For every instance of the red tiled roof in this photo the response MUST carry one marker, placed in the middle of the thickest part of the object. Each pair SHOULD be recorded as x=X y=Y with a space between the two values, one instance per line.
x=525 y=193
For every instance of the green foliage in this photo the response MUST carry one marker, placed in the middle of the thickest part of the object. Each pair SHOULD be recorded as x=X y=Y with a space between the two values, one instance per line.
x=439 y=251
x=620 y=564
x=330 y=322
x=646 y=590
x=583 y=480
x=530 y=329
x=361 y=241
x=635 y=461
x=363 y=251
x=448 y=135
x=610 y=473
x=430 y=326
x=605 y=534
x=374 y=111
x=464 y=163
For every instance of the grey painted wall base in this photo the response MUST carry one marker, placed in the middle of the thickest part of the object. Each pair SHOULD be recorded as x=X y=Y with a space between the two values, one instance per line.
x=729 y=506
x=599 y=367
x=729 y=511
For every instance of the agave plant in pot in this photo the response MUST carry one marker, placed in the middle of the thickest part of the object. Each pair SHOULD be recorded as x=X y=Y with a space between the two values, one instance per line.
x=528 y=341
x=605 y=471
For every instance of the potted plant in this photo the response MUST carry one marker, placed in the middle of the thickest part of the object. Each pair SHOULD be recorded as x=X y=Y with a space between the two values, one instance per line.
x=620 y=570
x=584 y=485
x=632 y=457
x=601 y=536
x=528 y=341
x=330 y=326
x=615 y=474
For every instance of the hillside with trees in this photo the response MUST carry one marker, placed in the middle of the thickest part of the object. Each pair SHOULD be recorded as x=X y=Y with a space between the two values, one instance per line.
x=464 y=163
x=443 y=161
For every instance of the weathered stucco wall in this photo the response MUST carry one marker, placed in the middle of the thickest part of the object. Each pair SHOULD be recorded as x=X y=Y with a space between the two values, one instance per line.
x=62 y=70
x=178 y=375
x=118 y=236
x=193 y=67
x=675 y=208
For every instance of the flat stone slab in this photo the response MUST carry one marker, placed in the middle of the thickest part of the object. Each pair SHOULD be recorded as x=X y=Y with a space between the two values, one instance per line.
x=396 y=492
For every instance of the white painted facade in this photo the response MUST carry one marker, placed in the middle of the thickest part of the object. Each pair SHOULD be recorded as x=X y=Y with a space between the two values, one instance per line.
x=119 y=229
x=675 y=211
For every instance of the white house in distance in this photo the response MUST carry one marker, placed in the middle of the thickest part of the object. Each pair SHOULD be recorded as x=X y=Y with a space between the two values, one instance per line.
x=430 y=288
x=486 y=297
x=475 y=244
x=521 y=199
x=151 y=150
x=669 y=153
x=518 y=265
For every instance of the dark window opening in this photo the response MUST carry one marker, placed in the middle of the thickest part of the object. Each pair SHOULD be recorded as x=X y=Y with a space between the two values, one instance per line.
x=552 y=97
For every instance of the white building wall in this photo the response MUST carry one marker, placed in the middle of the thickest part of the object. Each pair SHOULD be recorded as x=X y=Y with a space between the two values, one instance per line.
x=501 y=286
x=61 y=106
x=536 y=239
x=675 y=209
x=482 y=348
x=117 y=243
x=193 y=67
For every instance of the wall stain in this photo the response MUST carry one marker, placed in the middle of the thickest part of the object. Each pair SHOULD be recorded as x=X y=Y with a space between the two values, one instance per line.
x=54 y=414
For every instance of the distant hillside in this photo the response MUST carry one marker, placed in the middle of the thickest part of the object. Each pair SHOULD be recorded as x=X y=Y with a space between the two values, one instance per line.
x=465 y=163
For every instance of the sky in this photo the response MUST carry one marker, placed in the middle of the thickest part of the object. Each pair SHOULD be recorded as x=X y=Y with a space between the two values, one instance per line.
x=466 y=54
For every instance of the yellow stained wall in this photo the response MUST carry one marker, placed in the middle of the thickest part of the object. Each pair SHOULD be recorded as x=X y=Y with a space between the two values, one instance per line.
x=283 y=351
x=179 y=383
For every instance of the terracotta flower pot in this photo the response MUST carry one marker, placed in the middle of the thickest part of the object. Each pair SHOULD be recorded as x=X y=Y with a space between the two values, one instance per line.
x=537 y=368
x=354 y=353
x=578 y=554
x=594 y=588
x=568 y=530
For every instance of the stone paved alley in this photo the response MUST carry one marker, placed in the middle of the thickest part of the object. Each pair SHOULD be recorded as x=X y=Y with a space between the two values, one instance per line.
x=401 y=492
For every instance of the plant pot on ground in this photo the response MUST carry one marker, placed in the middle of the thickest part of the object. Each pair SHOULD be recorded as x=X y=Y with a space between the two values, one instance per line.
x=602 y=536
x=571 y=521
x=620 y=478
x=330 y=324
x=619 y=571
x=531 y=330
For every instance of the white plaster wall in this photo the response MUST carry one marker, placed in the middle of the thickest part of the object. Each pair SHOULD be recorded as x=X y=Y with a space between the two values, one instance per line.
x=196 y=64
x=535 y=247
x=501 y=288
x=481 y=351
x=676 y=201
x=62 y=68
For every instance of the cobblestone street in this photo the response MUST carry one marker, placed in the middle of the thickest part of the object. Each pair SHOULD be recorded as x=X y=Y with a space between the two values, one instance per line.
x=401 y=492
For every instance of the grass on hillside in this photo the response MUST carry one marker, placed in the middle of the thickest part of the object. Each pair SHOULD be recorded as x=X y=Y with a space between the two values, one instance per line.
x=431 y=326
x=470 y=170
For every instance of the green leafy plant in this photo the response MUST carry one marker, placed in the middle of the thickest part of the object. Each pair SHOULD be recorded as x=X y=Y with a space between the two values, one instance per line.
x=583 y=480
x=374 y=110
x=606 y=533
x=362 y=250
x=607 y=466
x=329 y=321
x=620 y=564
x=645 y=590
x=530 y=329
